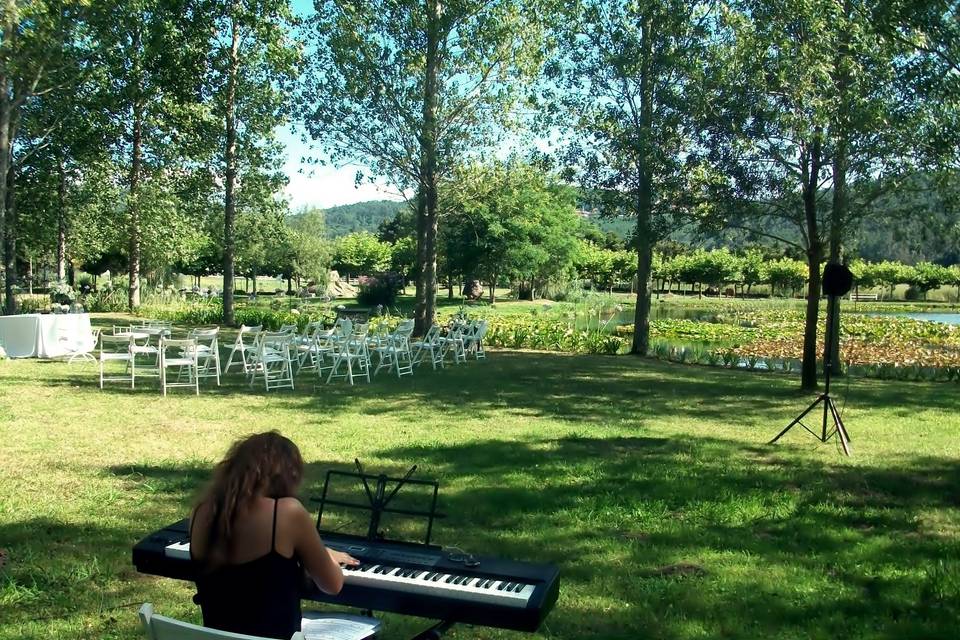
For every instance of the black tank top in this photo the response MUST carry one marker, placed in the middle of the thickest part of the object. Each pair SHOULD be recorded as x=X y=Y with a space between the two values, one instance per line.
x=260 y=597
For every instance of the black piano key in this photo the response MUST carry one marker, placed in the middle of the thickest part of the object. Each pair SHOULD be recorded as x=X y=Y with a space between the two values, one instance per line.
x=450 y=578
x=485 y=583
x=501 y=586
x=437 y=577
x=519 y=587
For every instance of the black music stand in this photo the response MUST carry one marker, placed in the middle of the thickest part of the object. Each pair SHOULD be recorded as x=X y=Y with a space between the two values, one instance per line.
x=377 y=504
x=378 y=500
x=837 y=280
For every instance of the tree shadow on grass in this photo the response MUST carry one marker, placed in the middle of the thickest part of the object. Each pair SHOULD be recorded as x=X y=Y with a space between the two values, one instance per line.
x=613 y=513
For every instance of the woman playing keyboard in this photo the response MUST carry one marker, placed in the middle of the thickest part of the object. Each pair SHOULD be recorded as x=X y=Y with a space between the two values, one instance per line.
x=254 y=539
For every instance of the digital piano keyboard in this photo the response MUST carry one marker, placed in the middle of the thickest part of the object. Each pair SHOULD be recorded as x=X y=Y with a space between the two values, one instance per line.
x=399 y=577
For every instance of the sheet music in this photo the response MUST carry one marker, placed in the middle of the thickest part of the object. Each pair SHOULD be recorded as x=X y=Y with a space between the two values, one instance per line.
x=338 y=626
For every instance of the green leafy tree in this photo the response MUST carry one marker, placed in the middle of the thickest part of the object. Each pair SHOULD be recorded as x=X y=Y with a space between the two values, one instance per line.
x=787 y=274
x=927 y=276
x=254 y=64
x=619 y=89
x=753 y=269
x=37 y=57
x=410 y=88
x=310 y=251
x=361 y=253
x=801 y=103
x=151 y=69
x=515 y=223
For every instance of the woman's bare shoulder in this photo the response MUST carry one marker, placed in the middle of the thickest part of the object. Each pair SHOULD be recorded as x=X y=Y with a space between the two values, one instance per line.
x=291 y=508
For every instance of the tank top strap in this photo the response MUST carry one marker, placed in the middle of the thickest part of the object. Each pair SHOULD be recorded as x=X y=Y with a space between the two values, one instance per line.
x=273 y=538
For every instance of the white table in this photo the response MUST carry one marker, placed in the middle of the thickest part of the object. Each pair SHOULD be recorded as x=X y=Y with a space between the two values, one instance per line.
x=37 y=335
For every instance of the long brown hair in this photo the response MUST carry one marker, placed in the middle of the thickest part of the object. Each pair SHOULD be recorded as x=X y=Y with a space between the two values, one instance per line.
x=264 y=464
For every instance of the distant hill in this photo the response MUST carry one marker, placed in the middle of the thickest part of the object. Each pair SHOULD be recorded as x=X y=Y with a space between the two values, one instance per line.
x=360 y=216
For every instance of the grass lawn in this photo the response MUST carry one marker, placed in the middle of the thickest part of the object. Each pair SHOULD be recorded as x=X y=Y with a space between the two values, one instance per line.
x=648 y=483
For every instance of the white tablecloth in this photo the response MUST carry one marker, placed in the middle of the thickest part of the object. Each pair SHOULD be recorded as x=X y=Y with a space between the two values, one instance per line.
x=45 y=336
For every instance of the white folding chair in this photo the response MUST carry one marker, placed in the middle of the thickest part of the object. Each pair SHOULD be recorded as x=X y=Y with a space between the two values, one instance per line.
x=273 y=360
x=393 y=351
x=287 y=328
x=429 y=344
x=117 y=348
x=353 y=352
x=185 y=358
x=453 y=342
x=163 y=628
x=473 y=340
x=245 y=345
x=208 y=352
x=309 y=355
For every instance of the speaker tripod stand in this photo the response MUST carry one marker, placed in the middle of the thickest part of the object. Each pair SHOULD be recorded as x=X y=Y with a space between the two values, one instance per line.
x=830 y=413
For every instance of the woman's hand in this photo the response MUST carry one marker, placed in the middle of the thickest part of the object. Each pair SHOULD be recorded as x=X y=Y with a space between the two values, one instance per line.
x=343 y=559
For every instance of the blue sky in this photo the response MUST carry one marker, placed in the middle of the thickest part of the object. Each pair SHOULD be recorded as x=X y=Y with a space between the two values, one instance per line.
x=322 y=186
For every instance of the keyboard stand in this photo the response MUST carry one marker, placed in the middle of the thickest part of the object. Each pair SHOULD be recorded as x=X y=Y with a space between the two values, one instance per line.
x=435 y=632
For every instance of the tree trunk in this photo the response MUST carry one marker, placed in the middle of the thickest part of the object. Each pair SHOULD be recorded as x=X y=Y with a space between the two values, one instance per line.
x=6 y=113
x=493 y=290
x=808 y=373
x=133 y=300
x=230 y=170
x=838 y=213
x=427 y=205
x=253 y=279
x=449 y=287
x=30 y=274
x=61 y=221
x=289 y=284
x=644 y=198
x=812 y=163
x=10 y=239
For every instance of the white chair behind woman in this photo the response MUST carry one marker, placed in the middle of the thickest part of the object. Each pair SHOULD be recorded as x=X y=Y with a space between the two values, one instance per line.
x=163 y=628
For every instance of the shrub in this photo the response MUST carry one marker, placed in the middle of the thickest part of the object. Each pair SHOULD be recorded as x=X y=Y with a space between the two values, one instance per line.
x=62 y=293
x=106 y=300
x=381 y=289
x=32 y=303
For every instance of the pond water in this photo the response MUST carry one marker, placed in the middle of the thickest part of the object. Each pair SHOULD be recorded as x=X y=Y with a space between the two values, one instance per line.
x=945 y=318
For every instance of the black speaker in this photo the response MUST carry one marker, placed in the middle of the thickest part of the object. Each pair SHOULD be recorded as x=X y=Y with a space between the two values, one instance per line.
x=837 y=279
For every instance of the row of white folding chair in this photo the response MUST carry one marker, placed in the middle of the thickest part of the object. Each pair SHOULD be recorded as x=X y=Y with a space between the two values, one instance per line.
x=460 y=340
x=124 y=348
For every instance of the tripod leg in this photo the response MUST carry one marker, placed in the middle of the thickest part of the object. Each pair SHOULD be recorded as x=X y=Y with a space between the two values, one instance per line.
x=826 y=414
x=797 y=419
x=841 y=430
